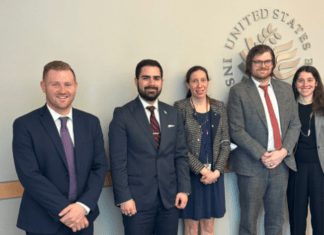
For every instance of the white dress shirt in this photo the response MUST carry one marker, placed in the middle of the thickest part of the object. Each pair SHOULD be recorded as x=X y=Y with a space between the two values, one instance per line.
x=274 y=103
x=148 y=112
x=69 y=125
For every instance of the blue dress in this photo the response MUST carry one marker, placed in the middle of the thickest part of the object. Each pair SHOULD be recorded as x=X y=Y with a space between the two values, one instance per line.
x=205 y=201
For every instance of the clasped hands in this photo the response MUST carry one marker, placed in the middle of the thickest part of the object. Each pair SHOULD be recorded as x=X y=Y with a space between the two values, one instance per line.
x=74 y=217
x=272 y=159
x=208 y=176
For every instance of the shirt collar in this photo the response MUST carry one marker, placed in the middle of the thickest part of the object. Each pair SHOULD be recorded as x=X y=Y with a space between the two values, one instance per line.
x=56 y=115
x=145 y=104
x=258 y=83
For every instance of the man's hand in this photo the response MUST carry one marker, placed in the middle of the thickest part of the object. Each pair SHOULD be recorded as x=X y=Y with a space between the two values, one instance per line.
x=73 y=215
x=210 y=177
x=273 y=159
x=181 y=200
x=128 y=208
x=82 y=224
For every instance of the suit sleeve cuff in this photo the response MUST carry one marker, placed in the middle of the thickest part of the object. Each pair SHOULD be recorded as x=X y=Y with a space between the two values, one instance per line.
x=124 y=202
x=87 y=209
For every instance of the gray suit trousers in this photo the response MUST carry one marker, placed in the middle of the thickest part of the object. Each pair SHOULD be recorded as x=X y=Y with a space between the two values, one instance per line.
x=269 y=187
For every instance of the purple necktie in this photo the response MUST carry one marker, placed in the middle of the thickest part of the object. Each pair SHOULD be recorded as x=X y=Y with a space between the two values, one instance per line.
x=155 y=127
x=69 y=153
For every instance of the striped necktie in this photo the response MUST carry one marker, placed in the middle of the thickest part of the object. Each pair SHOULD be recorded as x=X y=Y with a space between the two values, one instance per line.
x=155 y=127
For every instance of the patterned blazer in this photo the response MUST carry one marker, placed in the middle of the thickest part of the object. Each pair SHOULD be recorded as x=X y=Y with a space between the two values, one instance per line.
x=220 y=134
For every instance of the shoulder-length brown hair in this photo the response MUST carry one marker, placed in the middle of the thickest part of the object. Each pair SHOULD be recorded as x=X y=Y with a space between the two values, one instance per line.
x=318 y=95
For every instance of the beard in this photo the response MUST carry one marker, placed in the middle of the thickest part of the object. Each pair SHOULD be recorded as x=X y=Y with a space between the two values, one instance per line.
x=149 y=95
x=263 y=77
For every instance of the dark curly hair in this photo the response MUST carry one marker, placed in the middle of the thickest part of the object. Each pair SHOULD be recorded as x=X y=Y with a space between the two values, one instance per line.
x=318 y=95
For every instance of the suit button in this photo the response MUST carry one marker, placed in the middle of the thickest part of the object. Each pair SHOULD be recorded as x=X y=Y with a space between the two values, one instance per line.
x=212 y=125
x=318 y=147
x=198 y=140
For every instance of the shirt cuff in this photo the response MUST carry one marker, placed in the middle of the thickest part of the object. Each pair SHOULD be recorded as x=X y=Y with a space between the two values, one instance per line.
x=87 y=209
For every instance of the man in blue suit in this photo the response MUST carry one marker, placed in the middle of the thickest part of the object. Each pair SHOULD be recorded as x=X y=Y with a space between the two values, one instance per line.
x=60 y=160
x=149 y=158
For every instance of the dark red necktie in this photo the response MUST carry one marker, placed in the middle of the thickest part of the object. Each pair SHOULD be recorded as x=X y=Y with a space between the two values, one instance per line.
x=274 y=121
x=155 y=127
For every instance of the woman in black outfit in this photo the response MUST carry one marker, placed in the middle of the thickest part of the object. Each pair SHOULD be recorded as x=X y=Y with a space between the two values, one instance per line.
x=306 y=186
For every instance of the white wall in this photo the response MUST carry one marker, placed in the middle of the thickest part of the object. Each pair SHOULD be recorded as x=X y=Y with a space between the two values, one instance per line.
x=104 y=40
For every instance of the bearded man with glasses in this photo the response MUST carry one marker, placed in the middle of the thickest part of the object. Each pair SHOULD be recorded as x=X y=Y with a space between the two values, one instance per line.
x=264 y=124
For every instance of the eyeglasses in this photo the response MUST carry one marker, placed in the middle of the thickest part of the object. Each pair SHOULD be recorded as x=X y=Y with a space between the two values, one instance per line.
x=258 y=63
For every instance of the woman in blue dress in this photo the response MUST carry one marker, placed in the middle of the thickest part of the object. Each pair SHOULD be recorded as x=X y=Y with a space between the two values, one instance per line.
x=207 y=138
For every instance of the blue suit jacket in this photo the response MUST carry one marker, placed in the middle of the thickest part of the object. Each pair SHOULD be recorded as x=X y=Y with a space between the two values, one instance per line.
x=42 y=168
x=139 y=169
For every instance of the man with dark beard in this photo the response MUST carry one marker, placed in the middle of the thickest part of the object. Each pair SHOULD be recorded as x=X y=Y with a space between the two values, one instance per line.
x=264 y=123
x=148 y=156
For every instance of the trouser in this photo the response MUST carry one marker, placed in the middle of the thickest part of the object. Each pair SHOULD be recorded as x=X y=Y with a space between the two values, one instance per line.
x=268 y=187
x=306 y=186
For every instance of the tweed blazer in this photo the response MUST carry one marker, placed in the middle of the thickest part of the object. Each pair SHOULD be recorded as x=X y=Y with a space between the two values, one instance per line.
x=220 y=134
x=249 y=129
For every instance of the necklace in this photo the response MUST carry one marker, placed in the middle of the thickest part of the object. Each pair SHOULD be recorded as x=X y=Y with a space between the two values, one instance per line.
x=194 y=107
x=309 y=126
x=207 y=165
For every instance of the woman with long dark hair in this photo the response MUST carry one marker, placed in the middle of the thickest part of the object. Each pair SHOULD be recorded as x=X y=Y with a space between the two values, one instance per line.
x=306 y=186
x=207 y=138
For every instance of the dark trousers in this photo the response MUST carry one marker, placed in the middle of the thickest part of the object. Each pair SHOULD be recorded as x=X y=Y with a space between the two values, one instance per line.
x=306 y=186
x=157 y=220
x=268 y=187
x=64 y=230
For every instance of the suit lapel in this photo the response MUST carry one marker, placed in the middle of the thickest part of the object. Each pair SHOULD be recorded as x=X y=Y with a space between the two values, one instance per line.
x=137 y=109
x=252 y=90
x=79 y=132
x=163 y=125
x=318 y=126
x=214 y=121
x=48 y=123
x=280 y=96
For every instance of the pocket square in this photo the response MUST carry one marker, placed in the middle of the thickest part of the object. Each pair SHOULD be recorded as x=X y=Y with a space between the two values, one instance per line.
x=169 y=126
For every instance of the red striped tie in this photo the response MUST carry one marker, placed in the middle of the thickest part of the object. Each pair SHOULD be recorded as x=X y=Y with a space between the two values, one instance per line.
x=155 y=127
x=274 y=122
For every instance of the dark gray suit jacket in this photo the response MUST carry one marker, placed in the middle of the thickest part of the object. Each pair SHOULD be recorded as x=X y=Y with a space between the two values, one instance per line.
x=139 y=169
x=248 y=125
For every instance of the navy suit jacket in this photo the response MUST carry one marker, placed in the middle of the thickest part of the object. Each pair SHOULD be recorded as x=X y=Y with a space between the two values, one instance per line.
x=139 y=169
x=42 y=168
